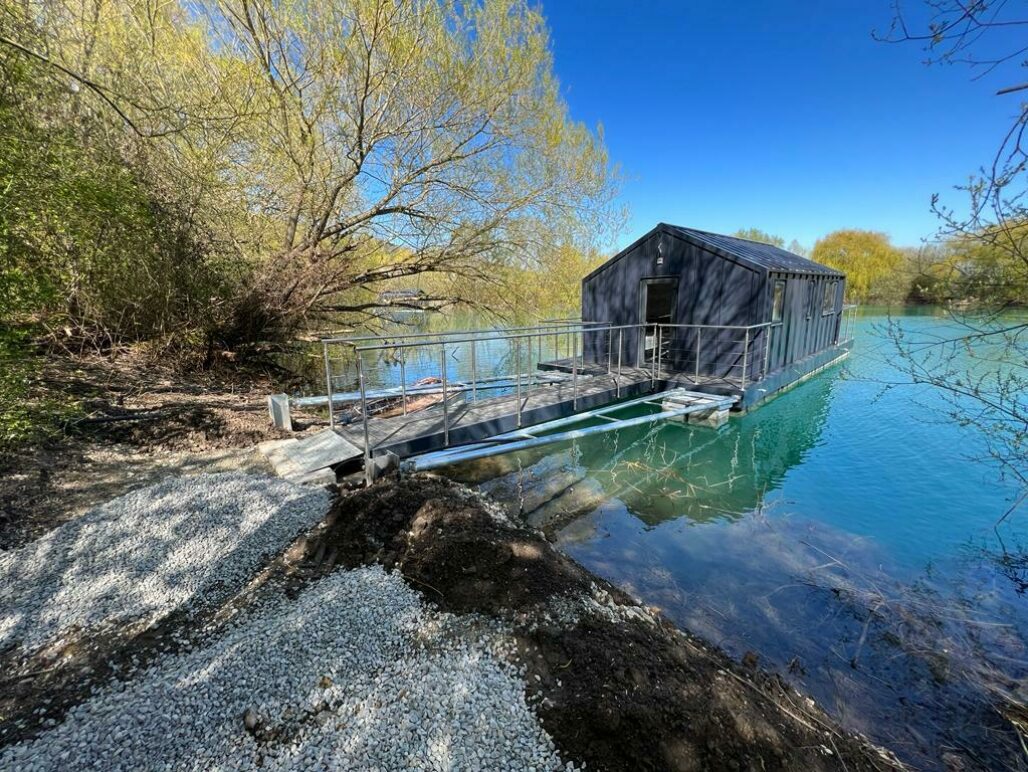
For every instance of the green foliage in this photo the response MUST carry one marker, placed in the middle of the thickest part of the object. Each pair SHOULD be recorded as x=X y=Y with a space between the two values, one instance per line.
x=88 y=242
x=873 y=266
x=222 y=174
x=28 y=413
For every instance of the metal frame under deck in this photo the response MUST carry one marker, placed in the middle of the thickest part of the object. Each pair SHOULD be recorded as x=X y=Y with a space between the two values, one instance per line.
x=692 y=402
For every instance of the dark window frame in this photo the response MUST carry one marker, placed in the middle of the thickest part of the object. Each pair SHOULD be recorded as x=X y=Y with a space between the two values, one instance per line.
x=777 y=301
x=831 y=298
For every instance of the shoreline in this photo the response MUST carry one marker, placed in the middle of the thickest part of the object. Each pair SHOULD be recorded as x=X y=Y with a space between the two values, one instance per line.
x=615 y=684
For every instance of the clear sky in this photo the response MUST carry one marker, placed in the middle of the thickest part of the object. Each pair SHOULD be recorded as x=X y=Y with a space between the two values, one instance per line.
x=786 y=116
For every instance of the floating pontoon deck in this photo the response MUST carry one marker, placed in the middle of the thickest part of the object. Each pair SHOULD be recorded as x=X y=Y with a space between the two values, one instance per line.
x=391 y=400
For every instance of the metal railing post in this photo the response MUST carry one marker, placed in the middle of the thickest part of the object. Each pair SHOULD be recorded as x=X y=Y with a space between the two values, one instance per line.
x=474 y=374
x=656 y=359
x=610 y=343
x=745 y=357
x=364 y=418
x=767 y=350
x=328 y=385
x=531 y=370
x=621 y=333
x=574 y=377
x=517 y=367
x=446 y=407
x=699 y=336
x=403 y=378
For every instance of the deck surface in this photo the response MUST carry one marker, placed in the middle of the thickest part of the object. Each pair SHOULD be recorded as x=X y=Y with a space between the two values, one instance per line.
x=474 y=421
x=673 y=377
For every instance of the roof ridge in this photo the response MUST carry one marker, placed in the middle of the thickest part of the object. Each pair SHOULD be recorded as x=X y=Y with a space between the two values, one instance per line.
x=737 y=238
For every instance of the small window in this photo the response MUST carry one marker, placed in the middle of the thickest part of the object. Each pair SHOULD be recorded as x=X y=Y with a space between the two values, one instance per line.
x=778 y=303
x=831 y=291
x=811 y=297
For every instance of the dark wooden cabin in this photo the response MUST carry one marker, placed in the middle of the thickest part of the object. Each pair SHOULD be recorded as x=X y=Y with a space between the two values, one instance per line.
x=713 y=286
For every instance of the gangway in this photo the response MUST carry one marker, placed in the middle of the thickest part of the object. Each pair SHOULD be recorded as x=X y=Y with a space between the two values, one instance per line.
x=423 y=398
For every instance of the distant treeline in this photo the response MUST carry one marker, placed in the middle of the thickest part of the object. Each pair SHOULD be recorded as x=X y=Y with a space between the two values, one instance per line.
x=983 y=267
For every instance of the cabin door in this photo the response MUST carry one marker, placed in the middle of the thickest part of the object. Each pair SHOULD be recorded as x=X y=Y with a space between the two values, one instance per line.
x=657 y=306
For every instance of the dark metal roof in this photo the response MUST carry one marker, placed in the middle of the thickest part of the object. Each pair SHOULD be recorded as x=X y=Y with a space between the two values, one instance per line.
x=754 y=254
x=763 y=255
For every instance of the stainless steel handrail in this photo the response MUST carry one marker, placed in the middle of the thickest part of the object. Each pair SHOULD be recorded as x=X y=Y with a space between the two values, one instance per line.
x=402 y=336
x=665 y=337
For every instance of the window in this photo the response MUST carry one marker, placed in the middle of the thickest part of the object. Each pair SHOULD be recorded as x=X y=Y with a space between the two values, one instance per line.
x=778 y=302
x=811 y=296
x=831 y=292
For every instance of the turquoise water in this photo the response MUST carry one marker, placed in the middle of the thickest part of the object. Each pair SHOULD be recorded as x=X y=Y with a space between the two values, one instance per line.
x=844 y=532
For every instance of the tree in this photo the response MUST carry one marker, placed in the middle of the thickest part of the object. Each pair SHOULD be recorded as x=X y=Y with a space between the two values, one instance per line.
x=868 y=259
x=327 y=147
x=796 y=248
x=987 y=383
x=756 y=234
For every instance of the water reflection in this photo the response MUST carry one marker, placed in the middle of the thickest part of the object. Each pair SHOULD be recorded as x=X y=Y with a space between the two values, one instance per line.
x=833 y=533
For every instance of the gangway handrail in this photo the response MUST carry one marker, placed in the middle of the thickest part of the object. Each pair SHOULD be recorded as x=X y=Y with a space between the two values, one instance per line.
x=560 y=324
x=575 y=331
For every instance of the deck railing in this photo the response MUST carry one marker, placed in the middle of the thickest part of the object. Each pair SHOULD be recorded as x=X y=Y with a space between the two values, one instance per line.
x=847 y=322
x=397 y=374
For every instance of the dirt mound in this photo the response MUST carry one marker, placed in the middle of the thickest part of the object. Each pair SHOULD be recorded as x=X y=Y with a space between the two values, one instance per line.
x=617 y=686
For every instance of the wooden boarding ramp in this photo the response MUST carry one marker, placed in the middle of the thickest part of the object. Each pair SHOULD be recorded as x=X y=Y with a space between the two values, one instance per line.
x=306 y=460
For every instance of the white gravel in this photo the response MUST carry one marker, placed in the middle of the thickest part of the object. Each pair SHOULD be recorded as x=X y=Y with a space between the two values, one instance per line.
x=355 y=673
x=141 y=556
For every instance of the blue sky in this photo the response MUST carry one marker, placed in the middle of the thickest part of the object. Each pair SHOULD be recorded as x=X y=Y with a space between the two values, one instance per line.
x=784 y=116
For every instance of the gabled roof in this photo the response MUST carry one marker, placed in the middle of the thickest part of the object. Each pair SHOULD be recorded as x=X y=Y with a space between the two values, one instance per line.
x=754 y=254
x=765 y=255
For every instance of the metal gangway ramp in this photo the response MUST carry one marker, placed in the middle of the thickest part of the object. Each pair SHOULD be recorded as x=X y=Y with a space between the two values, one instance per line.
x=396 y=397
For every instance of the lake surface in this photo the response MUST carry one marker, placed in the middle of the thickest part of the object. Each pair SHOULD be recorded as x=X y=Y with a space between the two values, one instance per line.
x=843 y=532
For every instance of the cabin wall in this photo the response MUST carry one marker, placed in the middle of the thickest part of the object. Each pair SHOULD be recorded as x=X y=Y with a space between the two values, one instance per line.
x=710 y=290
x=808 y=325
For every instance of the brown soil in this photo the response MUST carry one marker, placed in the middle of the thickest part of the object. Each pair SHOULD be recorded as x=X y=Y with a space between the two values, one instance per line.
x=143 y=421
x=617 y=687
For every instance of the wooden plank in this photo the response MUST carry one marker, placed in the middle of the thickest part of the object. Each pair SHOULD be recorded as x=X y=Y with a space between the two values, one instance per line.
x=298 y=459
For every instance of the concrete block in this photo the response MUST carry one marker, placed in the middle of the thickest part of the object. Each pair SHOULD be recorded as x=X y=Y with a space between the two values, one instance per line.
x=712 y=418
x=278 y=407
x=668 y=405
x=383 y=464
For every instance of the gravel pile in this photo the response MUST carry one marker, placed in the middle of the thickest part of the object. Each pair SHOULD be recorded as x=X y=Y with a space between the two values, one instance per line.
x=355 y=673
x=143 y=555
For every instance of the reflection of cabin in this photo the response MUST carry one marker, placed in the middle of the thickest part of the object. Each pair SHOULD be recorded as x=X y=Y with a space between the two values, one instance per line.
x=708 y=288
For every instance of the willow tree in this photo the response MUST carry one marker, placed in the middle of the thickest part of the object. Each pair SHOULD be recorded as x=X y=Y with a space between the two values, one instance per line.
x=867 y=258
x=328 y=146
x=433 y=126
x=756 y=234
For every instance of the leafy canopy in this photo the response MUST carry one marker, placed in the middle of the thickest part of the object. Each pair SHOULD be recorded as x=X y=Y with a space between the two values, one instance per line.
x=866 y=257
